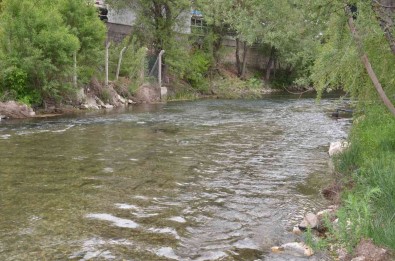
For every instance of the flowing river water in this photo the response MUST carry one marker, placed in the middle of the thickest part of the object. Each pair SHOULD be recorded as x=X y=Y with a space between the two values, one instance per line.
x=203 y=180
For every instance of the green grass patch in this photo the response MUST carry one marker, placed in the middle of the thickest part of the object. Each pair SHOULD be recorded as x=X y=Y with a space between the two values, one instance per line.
x=368 y=208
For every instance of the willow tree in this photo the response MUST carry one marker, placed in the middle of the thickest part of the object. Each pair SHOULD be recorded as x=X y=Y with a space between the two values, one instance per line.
x=356 y=55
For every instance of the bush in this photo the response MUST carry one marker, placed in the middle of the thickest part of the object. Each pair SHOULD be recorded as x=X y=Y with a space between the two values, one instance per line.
x=14 y=86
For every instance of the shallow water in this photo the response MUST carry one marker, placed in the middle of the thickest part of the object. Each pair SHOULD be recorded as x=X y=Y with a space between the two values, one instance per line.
x=205 y=180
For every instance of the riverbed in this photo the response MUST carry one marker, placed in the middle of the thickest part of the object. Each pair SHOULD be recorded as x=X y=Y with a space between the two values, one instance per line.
x=201 y=180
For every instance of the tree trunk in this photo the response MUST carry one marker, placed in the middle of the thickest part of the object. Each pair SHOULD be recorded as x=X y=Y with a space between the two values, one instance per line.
x=238 y=67
x=368 y=65
x=243 y=70
x=384 y=10
x=269 y=65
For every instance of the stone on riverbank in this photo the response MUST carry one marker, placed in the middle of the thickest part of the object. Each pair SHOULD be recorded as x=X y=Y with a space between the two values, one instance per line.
x=337 y=147
x=294 y=249
x=15 y=110
x=367 y=251
x=309 y=221
x=148 y=94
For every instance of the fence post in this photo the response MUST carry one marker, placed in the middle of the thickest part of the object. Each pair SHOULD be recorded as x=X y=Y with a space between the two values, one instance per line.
x=160 y=72
x=75 y=70
x=107 y=47
x=119 y=63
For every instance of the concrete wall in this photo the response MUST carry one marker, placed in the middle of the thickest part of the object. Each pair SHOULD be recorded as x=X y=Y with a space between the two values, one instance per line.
x=120 y=23
x=122 y=17
x=255 y=59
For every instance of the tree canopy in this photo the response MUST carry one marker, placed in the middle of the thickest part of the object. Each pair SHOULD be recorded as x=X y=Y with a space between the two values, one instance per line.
x=37 y=43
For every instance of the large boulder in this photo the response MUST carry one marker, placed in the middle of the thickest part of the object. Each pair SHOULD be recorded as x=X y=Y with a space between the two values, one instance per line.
x=15 y=110
x=148 y=94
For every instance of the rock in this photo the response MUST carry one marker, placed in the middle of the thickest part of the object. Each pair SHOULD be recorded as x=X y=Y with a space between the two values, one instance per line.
x=121 y=99
x=107 y=106
x=309 y=221
x=296 y=249
x=98 y=101
x=343 y=254
x=277 y=249
x=163 y=93
x=370 y=252
x=360 y=258
x=131 y=102
x=337 y=147
x=15 y=110
x=148 y=94
x=90 y=103
x=297 y=231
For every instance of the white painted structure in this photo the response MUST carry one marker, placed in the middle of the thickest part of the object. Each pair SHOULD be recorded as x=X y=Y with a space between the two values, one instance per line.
x=127 y=17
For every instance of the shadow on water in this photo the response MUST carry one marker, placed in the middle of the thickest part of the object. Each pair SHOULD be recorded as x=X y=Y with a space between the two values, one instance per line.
x=204 y=180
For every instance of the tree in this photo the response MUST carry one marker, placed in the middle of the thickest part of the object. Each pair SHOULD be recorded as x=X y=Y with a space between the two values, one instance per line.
x=348 y=39
x=157 y=20
x=38 y=41
x=257 y=22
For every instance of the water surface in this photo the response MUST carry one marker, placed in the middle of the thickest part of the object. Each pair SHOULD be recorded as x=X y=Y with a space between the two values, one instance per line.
x=205 y=180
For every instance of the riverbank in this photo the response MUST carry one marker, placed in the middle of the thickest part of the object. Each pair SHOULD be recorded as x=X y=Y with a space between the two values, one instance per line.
x=364 y=190
x=96 y=96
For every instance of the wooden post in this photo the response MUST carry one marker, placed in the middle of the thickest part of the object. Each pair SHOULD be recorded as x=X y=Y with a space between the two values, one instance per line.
x=119 y=63
x=107 y=47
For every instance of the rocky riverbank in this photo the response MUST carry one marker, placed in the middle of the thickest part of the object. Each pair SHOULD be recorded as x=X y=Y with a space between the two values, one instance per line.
x=317 y=231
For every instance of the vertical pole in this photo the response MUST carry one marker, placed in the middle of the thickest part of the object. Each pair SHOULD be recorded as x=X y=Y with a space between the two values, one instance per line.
x=142 y=73
x=119 y=63
x=75 y=70
x=107 y=47
x=160 y=72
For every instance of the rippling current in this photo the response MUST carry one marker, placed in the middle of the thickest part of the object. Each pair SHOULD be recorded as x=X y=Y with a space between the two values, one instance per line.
x=204 y=180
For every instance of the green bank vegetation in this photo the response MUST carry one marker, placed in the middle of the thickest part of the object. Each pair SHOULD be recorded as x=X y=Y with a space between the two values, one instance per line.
x=358 y=44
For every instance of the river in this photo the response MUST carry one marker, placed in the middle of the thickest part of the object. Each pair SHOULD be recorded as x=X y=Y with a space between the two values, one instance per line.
x=202 y=180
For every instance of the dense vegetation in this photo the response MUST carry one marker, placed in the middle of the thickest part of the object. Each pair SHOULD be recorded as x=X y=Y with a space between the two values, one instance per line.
x=347 y=45
x=38 y=42
x=358 y=43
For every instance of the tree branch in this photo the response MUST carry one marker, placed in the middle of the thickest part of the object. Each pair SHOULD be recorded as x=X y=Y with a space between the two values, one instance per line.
x=365 y=60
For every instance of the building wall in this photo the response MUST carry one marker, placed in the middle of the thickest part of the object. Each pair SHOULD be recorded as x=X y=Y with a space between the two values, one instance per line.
x=255 y=58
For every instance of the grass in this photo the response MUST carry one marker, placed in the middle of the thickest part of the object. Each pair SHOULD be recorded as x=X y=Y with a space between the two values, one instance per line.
x=368 y=206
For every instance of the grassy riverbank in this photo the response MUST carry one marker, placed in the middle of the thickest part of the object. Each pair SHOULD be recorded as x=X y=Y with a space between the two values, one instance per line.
x=368 y=169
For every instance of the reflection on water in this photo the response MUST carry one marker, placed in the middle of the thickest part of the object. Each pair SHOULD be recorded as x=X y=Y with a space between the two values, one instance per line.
x=206 y=180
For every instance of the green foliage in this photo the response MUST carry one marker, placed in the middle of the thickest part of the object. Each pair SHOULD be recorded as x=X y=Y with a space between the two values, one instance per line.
x=40 y=38
x=368 y=209
x=134 y=63
x=338 y=65
x=197 y=68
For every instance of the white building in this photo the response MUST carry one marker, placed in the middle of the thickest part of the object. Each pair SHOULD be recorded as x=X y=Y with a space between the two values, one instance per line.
x=120 y=22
